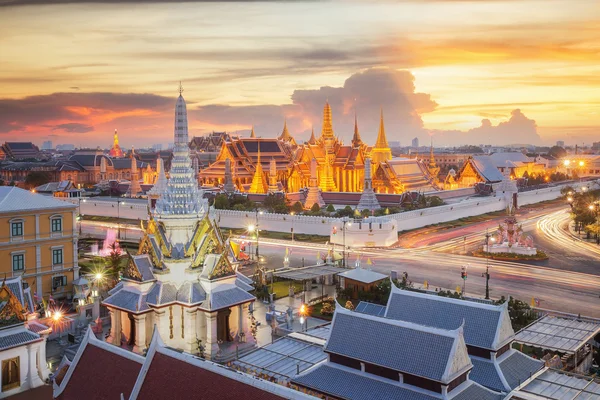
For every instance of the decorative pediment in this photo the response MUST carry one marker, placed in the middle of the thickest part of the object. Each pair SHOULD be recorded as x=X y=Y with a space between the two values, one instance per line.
x=158 y=230
x=202 y=227
x=132 y=271
x=222 y=268
x=11 y=309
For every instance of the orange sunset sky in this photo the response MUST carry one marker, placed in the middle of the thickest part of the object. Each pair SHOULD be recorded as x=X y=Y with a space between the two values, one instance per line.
x=463 y=72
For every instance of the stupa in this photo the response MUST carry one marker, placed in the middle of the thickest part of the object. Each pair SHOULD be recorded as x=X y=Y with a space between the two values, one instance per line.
x=368 y=200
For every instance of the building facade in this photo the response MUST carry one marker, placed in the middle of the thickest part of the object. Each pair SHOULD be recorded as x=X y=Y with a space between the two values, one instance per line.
x=39 y=242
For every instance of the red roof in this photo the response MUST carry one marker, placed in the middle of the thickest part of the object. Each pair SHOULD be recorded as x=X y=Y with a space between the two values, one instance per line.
x=101 y=374
x=170 y=378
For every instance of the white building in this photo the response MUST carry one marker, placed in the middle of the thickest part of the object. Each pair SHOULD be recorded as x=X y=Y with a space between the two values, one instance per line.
x=22 y=341
x=183 y=280
x=367 y=232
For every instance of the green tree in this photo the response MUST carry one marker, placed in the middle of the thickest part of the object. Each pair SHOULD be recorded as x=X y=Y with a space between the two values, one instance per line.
x=276 y=203
x=315 y=208
x=345 y=212
x=221 y=202
x=330 y=208
x=113 y=261
x=36 y=178
x=557 y=152
x=297 y=208
x=434 y=201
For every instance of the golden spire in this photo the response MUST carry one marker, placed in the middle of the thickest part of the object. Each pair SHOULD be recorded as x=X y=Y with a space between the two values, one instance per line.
x=382 y=142
x=285 y=135
x=327 y=129
x=431 y=158
x=253 y=135
x=356 y=141
x=259 y=184
x=115 y=139
x=312 y=139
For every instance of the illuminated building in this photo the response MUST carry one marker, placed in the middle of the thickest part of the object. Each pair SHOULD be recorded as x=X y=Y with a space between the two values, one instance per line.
x=116 y=151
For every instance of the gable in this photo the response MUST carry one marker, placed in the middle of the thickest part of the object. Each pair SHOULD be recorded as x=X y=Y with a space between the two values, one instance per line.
x=11 y=310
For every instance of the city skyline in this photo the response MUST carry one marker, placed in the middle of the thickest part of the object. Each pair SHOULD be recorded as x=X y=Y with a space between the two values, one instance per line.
x=513 y=72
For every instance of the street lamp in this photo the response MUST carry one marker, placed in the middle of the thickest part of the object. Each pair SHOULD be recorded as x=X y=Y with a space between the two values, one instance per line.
x=487 y=264
x=304 y=316
x=292 y=214
x=344 y=223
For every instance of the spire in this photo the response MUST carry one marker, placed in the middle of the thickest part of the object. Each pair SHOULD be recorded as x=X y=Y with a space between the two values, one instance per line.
x=252 y=134
x=285 y=134
x=273 y=187
x=115 y=139
x=314 y=194
x=356 y=141
x=312 y=139
x=382 y=142
x=431 y=157
x=327 y=129
x=180 y=88
x=368 y=199
x=229 y=186
x=258 y=184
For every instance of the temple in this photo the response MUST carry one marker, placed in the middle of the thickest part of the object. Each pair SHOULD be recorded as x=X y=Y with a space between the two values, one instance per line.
x=115 y=151
x=284 y=163
x=183 y=279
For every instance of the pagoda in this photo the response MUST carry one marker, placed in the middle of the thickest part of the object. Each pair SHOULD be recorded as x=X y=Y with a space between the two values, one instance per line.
x=368 y=200
x=259 y=184
x=115 y=151
x=134 y=185
x=183 y=279
x=286 y=137
x=381 y=152
x=313 y=196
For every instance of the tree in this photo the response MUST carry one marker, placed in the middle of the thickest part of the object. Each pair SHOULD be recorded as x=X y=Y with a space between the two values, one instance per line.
x=315 y=208
x=113 y=260
x=557 y=152
x=221 y=202
x=36 y=178
x=345 y=212
x=276 y=203
x=297 y=208
x=330 y=208
x=327 y=308
x=349 y=305
x=434 y=201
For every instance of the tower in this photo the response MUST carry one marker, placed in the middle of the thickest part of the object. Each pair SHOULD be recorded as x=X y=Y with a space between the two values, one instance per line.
x=327 y=183
x=258 y=185
x=285 y=135
x=134 y=185
x=160 y=185
x=312 y=139
x=314 y=194
x=229 y=186
x=273 y=187
x=327 y=138
x=252 y=134
x=368 y=200
x=381 y=152
x=116 y=151
x=181 y=196
x=356 y=140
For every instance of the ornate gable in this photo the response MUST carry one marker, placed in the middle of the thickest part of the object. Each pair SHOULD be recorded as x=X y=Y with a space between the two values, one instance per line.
x=468 y=171
x=222 y=268
x=132 y=272
x=11 y=310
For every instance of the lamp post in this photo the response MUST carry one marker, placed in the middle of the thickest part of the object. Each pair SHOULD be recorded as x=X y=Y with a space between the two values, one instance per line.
x=119 y=219
x=292 y=214
x=595 y=207
x=344 y=223
x=487 y=264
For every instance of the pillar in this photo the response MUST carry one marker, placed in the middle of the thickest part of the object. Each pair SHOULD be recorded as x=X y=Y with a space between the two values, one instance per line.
x=43 y=368
x=95 y=307
x=115 y=327
x=37 y=226
x=212 y=347
x=140 y=333
x=33 y=377
x=190 y=331
x=162 y=324
x=38 y=270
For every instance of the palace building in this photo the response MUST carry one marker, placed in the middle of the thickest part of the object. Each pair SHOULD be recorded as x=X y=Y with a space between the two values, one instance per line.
x=340 y=167
x=183 y=279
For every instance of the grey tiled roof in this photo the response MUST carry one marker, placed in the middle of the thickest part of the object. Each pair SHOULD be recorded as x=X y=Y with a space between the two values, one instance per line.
x=517 y=367
x=165 y=292
x=198 y=293
x=485 y=166
x=243 y=285
x=371 y=309
x=390 y=344
x=29 y=299
x=155 y=246
x=14 y=199
x=16 y=287
x=485 y=373
x=126 y=300
x=118 y=287
x=344 y=384
x=168 y=293
x=477 y=392
x=153 y=293
x=244 y=278
x=481 y=320
x=144 y=265
x=17 y=339
x=225 y=298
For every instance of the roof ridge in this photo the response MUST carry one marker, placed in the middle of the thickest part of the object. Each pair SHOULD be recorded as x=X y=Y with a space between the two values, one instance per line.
x=474 y=304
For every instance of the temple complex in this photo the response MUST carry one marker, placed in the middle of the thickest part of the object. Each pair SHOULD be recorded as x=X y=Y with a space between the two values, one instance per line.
x=115 y=151
x=183 y=279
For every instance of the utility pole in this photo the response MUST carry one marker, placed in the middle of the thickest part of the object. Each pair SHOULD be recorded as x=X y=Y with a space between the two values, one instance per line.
x=487 y=265
x=463 y=275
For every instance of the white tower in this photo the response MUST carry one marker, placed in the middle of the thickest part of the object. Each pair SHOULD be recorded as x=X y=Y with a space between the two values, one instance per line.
x=368 y=200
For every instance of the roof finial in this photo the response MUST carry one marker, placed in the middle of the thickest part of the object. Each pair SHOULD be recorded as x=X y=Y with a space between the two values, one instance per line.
x=180 y=88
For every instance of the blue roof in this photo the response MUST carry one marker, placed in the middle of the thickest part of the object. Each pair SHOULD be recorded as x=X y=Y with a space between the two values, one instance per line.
x=365 y=307
x=345 y=384
x=518 y=367
x=228 y=297
x=485 y=166
x=485 y=373
x=126 y=300
x=396 y=345
x=477 y=392
x=482 y=321
x=18 y=339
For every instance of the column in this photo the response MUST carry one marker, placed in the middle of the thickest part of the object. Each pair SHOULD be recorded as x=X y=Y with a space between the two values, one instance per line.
x=190 y=331
x=75 y=258
x=38 y=270
x=33 y=378
x=115 y=327
x=244 y=315
x=37 y=226
x=140 y=333
x=96 y=308
x=162 y=325
x=212 y=347
x=44 y=371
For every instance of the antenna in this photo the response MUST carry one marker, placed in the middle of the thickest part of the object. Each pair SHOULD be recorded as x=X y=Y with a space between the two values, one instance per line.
x=180 y=88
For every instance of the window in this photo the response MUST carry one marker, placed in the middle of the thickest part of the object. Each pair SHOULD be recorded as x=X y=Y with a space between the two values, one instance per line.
x=11 y=374
x=58 y=282
x=16 y=229
x=57 y=256
x=56 y=225
x=18 y=262
x=25 y=285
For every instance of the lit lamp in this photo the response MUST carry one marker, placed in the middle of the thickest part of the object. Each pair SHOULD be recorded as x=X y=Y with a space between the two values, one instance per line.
x=567 y=163
x=581 y=163
x=81 y=302
x=250 y=228
x=95 y=293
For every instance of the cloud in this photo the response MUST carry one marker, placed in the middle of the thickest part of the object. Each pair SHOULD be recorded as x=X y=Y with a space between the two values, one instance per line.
x=518 y=129
x=365 y=92
x=73 y=127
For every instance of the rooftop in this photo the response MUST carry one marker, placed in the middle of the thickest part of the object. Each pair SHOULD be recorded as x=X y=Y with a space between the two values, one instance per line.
x=13 y=199
x=560 y=334
x=556 y=385
x=363 y=275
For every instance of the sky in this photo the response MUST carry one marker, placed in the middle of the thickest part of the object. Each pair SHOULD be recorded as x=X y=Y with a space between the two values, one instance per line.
x=448 y=71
